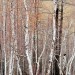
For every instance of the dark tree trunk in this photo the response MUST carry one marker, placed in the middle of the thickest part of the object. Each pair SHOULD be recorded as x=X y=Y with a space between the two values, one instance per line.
x=57 y=44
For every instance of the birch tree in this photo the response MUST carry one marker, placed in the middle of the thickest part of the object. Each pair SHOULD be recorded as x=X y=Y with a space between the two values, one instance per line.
x=57 y=34
x=36 y=29
x=27 y=49
x=4 y=24
x=13 y=52
x=55 y=69
x=70 y=61
x=11 y=58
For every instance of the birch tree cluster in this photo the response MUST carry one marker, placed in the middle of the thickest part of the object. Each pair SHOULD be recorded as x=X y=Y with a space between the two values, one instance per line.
x=37 y=37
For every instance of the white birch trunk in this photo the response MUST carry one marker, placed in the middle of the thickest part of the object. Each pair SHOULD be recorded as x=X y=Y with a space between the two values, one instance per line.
x=68 y=67
x=11 y=58
x=27 y=40
x=64 y=39
x=39 y=58
x=69 y=64
x=4 y=24
x=13 y=42
x=54 y=38
x=11 y=64
x=52 y=50
x=32 y=41
x=19 y=68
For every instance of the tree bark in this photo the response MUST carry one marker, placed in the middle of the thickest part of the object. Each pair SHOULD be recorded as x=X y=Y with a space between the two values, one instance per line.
x=58 y=31
x=4 y=26
x=27 y=40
